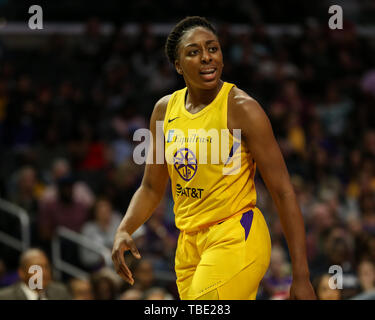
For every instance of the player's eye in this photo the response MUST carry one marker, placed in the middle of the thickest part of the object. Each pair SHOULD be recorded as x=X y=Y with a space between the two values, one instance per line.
x=213 y=49
x=193 y=52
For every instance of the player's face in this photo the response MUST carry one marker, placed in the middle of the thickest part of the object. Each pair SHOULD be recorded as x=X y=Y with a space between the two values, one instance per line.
x=200 y=59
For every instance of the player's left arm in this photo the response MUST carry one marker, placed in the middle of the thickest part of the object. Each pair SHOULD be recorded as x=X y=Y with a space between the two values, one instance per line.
x=246 y=114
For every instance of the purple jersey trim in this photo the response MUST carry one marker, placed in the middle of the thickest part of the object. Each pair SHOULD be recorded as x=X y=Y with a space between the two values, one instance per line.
x=246 y=221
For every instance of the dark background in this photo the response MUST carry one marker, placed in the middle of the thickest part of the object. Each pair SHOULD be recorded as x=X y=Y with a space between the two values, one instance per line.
x=80 y=97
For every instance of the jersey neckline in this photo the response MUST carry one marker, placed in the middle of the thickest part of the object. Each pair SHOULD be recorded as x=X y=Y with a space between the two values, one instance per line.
x=206 y=108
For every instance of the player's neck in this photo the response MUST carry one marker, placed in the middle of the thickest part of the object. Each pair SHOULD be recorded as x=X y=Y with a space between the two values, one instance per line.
x=197 y=97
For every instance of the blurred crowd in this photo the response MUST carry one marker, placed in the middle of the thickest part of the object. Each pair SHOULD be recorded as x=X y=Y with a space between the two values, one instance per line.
x=69 y=109
x=233 y=11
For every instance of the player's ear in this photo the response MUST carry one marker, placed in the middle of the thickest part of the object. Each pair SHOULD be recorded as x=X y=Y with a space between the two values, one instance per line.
x=178 y=67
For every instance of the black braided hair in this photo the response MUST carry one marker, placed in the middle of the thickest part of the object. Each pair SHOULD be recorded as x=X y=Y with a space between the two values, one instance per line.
x=178 y=31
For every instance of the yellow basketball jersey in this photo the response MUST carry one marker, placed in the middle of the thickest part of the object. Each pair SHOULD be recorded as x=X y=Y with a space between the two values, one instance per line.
x=212 y=174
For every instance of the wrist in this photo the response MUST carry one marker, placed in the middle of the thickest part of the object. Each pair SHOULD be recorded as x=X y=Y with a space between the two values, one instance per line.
x=121 y=231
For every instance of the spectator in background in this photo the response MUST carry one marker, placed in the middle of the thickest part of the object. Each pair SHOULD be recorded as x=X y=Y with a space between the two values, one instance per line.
x=131 y=294
x=323 y=290
x=26 y=190
x=371 y=248
x=26 y=194
x=338 y=250
x=21 y=290
x=368 y=83
x=157 y=293
x=81 y=289
x=105 y=284
x=161 y=238
x=367 y=208
x=87 y=149
x=122 y=182
x=162 y=80
x=366 y=277
x=144 y=59
x=91 y=43
x=63 y=211
x=278 y=279
x=319 y=220
x=101 y=230
x=143 y=274
x=290 y=101
x=334 y=111
x=51 y=144
x=81 y=191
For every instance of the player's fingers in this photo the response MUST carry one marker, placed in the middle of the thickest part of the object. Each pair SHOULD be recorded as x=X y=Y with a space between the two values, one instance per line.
x=125 y=277
x=125 y=274
x=124 y=268
x=134 y=249
x=121 y=267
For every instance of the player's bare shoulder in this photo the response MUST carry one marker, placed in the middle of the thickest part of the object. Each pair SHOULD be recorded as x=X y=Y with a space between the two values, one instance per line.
x=242 y=109
x=160 y=108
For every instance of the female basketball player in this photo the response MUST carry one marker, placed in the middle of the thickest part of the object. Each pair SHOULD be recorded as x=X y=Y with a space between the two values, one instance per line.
x=224 y=246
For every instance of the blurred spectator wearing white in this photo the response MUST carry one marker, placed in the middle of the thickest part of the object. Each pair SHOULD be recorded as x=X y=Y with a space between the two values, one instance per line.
x=101 y=230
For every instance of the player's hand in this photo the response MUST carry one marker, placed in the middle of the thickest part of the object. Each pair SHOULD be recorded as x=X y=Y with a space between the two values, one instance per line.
x=123 y=242
x=302 y=289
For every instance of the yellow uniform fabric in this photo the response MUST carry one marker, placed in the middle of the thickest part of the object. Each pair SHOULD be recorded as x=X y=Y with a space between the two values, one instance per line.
x=215 y=258
x=223 y=235
x=206 y=193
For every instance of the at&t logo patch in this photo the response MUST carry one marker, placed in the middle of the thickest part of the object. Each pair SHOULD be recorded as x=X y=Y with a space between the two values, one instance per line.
x=189 y=192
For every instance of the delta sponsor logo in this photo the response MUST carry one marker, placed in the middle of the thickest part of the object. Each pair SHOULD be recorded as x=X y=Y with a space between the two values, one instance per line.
x=188 y=192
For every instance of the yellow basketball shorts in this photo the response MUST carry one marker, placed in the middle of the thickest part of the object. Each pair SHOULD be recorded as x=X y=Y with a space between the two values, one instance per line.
x=231 y=256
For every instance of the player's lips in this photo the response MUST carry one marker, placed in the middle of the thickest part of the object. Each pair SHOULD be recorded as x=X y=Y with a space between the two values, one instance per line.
x=208 y=73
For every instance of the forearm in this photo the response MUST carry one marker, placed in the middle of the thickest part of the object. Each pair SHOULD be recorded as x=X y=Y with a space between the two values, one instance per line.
x=141 y=207
x=294 y=231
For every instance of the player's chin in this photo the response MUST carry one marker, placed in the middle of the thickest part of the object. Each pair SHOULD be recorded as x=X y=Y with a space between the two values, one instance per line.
x=209 y=84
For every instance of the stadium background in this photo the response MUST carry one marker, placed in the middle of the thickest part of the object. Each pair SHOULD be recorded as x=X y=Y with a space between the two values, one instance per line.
x=72 y=95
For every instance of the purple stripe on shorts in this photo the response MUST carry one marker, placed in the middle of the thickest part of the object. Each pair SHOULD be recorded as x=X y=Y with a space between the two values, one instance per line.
x=246 y=221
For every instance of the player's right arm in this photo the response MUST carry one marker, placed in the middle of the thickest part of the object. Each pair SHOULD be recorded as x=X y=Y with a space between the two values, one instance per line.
x=144 y=201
